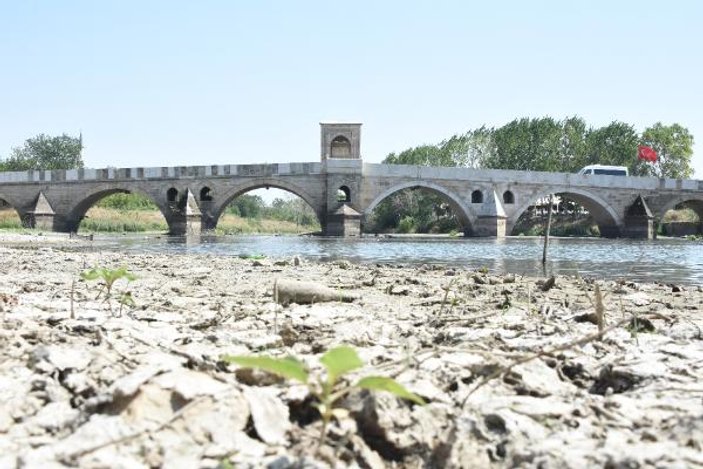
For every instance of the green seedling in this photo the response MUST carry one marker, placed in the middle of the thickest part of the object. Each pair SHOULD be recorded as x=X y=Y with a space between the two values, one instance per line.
x=109 y=277
x=328 y=389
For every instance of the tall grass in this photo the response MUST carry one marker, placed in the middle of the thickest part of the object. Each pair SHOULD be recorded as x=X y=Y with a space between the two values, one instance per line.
x=682 y=215
x=9 y=220
x=123 y=221
x=133 y=213
x=231 y=224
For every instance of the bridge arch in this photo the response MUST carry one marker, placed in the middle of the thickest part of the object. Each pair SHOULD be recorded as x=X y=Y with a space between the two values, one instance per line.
x=466 y=216
x=609 y=221
x=694 y=202
x=14 y=206
x=77 y=212
x=222 y=202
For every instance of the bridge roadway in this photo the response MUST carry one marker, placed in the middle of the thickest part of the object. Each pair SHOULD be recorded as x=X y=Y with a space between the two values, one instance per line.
x=487 y=202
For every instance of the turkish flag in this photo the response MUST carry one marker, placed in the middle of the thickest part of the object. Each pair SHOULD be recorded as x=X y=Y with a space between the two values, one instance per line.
x=647 y=154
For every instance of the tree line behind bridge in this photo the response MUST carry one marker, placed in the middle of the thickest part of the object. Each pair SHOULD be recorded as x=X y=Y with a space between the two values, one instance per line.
x=531 y=144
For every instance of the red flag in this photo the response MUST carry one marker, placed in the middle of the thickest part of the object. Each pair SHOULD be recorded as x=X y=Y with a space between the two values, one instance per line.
x=647 y=154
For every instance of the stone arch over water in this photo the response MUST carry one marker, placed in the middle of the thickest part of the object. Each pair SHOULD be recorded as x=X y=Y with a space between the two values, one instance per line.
x=222 y=202
x=609 y=221
x=466 y=217
x=10 y=205
x=695 y=203
x=77 y=213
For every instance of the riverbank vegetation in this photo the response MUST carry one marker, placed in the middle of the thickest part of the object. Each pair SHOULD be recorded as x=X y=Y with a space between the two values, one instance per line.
x=9 y=219
x=45 y=152
x=106 y=220
x=247 y=214
x=547 y=144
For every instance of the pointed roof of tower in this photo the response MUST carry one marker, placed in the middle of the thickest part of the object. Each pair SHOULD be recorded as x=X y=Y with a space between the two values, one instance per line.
x=190 y=206
x=346 y=211
x=639 y=208
x=492 y=207
x=42 y=206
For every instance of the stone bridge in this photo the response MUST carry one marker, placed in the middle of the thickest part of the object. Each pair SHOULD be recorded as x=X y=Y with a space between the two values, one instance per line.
x=343 y=191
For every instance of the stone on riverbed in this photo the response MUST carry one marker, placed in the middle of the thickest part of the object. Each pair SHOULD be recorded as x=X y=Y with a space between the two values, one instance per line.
x=292 y=291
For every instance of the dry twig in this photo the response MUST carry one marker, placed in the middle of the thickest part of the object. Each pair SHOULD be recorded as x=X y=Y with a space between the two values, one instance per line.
x=551 y=351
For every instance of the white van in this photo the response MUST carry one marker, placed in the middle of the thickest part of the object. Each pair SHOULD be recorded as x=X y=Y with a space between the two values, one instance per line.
x=604 y=170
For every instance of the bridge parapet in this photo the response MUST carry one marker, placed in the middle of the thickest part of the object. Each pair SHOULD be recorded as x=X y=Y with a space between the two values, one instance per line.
x=529 y=177
x=349 y=166
x=167 y=172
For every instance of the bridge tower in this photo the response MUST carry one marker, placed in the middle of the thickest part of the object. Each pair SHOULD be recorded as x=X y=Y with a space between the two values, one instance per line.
x=340 y=151
x=340 y=141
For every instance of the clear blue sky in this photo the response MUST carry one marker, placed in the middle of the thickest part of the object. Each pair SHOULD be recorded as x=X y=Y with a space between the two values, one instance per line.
x=162 y=83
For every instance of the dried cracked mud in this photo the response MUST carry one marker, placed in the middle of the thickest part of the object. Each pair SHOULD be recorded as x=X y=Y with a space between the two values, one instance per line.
x=512 y=368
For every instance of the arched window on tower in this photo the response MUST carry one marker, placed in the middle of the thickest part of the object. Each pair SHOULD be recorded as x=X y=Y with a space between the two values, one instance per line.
x=508 y=197
x=340 y=147
x=172 y=194
x=343 y=194
x=206 y=194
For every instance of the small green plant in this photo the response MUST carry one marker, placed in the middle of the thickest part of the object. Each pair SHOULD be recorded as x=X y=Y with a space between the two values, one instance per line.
x=109 y=277
x=453 y=233
x=327 y=390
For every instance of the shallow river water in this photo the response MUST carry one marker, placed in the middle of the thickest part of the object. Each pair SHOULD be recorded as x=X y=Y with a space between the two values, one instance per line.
x=662 y=260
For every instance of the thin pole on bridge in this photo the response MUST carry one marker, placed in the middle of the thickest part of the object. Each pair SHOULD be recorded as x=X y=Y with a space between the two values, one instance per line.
x=546 y=232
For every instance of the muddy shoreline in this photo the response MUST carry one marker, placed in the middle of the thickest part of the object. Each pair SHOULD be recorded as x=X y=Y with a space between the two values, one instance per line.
x=502 y=361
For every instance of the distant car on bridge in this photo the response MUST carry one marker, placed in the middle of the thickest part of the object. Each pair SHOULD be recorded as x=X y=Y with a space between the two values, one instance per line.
x=605 y=170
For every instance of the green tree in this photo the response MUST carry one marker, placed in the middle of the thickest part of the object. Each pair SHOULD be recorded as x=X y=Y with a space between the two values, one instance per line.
x=455 y=150
x=45 y=152
x=428 y=211
x=462 y=150
x=480 y=147
x=574 y=151
x=528 y=145
x=423 y=155
x=614 y=144
x=674 y=147
x=247 y=206
x=127 y=202
x=294 y=210
x=422 y=210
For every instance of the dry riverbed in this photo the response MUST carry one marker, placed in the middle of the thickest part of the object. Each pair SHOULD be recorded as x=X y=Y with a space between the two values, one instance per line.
x=512 y=369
